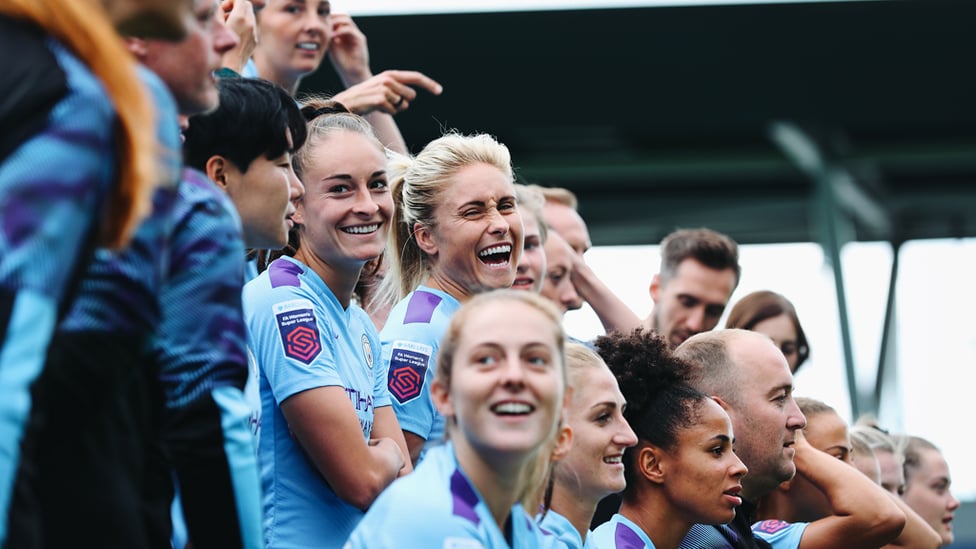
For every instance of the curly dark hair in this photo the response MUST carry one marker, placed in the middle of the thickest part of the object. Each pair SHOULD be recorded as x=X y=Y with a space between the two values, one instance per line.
x=655 y=384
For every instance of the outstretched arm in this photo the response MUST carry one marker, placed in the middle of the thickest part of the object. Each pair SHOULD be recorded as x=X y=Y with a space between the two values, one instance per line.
x=377 y=97
x=614 y=314
x=239 y=17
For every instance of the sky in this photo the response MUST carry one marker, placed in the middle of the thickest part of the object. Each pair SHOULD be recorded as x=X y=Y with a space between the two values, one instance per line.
x=936 y=338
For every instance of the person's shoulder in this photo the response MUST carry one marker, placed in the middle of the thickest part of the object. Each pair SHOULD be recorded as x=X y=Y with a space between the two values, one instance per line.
x=422 y=308
x=282 y=282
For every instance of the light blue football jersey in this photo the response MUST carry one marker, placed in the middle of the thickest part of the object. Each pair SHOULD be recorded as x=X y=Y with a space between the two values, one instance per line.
x=437 y=506
x=411 y=337
x=301 y=338
x=620 y=533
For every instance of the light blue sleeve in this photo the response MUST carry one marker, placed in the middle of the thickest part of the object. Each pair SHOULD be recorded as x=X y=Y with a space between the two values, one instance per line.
x=409 y=353
x=780 y=534
x=289 y=332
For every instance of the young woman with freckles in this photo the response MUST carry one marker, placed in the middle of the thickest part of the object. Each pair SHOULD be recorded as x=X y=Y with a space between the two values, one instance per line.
x=501 y=384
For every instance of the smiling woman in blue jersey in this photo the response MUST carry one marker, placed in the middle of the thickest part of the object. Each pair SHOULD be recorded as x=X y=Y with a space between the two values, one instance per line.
x=329 y=441
x=593 y=466
x=457 y=232
x=500 y=384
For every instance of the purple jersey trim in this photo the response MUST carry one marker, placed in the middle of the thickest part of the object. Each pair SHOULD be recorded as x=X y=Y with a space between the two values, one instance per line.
x=465 y=499
x=421 y=307
x=625 y=538
x=284 y=273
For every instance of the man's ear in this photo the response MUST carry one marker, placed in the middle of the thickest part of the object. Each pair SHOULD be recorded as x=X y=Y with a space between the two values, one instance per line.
x=650 y=463
x=137 y=47
x=425 y=239
x=655 y=289
x=217 y=170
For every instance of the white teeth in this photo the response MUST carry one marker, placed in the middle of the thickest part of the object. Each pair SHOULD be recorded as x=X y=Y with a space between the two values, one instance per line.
x=512 y=408
x=500 y=249
x=308 y=46
x=613 y=459
x=363 y=229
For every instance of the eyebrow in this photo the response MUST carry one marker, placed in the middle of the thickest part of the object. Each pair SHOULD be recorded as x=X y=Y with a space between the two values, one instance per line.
x=346 y=176
x=721 y=438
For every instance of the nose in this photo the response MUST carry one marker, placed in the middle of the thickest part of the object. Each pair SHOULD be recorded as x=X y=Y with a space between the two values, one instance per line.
x=364 y=202
x=738 y=469
x=953 y=502
x=224 y=39
x=295 y=187
x=512 y=374
x=696 y=320
x=497 y=223
x=626 y=437
x=569 y=297
x=795 y=419
x=313 y=21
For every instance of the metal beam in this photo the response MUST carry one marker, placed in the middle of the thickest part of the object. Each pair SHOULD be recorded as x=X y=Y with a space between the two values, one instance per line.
x=835 y=187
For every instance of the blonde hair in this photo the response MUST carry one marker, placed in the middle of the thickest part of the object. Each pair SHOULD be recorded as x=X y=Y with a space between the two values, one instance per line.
x=326 y=117
x=557 y=195
x=83 y=27
x=416 y=184
x=530 y=200
x=579 y=360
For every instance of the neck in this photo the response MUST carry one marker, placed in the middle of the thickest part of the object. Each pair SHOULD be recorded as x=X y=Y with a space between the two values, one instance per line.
x=496 y=476
x=283 y=78
x=575 y=506
x=658 y=518
x=448 y=286
x=341 y=282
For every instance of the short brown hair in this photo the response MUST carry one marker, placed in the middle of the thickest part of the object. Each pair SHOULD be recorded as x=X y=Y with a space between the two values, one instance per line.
x=710 y=248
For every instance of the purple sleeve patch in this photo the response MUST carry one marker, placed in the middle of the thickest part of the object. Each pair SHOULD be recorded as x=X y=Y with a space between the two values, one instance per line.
x=408 y=370
x=421 y=307
x=284 y=273
x=770 y=526
x=299 y=333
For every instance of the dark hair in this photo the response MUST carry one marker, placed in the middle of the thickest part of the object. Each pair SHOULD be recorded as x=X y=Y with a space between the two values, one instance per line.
x=654 y=382
x=710 y=248
x=763 y=305
x=250 y=122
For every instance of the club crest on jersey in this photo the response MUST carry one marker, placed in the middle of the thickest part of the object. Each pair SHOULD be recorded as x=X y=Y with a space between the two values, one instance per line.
x=408 y=369
x=367 y=352
x=298 y=329
x=770 y=526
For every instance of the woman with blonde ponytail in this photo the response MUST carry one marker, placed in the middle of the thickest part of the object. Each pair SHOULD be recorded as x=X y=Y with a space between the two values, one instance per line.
x=457 y=232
